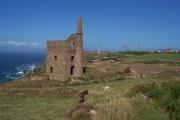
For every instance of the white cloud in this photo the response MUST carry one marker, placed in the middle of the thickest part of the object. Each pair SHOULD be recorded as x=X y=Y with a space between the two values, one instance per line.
x=20 y=44
x=17 y=44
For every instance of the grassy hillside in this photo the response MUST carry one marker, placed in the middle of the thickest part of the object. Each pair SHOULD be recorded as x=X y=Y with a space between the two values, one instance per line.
x=132 y=97
x=157 y=58
x=164 y=56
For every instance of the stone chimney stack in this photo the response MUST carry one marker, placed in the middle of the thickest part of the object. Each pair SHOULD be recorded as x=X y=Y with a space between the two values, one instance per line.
x=79 y=25
x=79 y=50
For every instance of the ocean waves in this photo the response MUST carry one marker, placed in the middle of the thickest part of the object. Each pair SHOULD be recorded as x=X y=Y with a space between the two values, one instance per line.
x=15 y=65
x=11 y=72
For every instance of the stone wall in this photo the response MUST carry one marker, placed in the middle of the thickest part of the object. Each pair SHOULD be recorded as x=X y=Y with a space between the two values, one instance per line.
x=65 y=58
x=56 y=60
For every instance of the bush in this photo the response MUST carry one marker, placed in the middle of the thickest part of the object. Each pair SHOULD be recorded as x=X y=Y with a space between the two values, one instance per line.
x=136 y=52
x=148 y=61
x=167 y=96
x=152 y=90
x=139 y=88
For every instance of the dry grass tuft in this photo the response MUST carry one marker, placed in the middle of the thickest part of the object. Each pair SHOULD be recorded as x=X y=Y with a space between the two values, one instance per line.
x=81 y=112
x=119 y=109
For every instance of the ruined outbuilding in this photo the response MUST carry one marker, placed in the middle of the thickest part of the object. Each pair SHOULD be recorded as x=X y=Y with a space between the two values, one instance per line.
x=64 y=59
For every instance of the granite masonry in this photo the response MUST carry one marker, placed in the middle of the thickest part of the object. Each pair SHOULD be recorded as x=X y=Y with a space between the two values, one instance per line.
x=64 y=59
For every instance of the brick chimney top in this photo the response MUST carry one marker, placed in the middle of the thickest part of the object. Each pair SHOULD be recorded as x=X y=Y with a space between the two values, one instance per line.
x=79 y=25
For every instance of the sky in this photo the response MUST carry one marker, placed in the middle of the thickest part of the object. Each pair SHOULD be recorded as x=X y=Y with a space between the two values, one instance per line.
x=26 y=25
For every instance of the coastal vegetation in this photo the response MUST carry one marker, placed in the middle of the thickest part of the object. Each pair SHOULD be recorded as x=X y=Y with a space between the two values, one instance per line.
x=138 y=91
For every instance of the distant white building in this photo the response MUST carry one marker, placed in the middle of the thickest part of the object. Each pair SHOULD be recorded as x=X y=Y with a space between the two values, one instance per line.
x=169 y=50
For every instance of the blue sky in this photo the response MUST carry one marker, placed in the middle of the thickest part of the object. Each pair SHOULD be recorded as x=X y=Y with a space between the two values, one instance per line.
x=26 y=25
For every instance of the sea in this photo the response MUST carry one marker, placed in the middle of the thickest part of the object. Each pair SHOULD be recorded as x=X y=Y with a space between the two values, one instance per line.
x=14 y=65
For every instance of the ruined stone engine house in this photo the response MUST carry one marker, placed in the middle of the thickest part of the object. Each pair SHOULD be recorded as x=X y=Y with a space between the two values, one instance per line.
x=64 y=59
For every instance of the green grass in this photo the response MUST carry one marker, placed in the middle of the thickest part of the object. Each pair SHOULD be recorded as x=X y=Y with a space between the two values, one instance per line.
x=164 y=56
x=141 y=57
x=147 y=112
x=34 y=108
x=53 y=106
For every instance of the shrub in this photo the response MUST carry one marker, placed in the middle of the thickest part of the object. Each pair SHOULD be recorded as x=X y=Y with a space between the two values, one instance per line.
x=138 y=88
x=136 y=52
x=167 y=96
x=153 y=91
x=148 y=61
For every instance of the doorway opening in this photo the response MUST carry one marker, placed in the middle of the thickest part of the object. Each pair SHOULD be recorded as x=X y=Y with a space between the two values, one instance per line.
x=51 y=69
x=84 y=69
x=72 y=70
